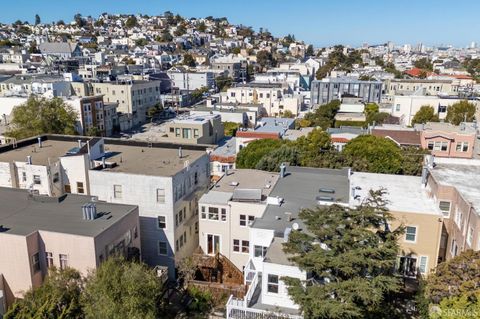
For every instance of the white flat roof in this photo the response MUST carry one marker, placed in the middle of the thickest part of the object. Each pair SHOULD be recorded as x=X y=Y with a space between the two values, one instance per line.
x=404 y=193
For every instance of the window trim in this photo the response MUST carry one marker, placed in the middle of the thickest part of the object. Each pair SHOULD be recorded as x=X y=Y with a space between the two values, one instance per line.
x=273 y=284
x=444 y=213
x=158 y=248
x=165 y=222
x=406 y=234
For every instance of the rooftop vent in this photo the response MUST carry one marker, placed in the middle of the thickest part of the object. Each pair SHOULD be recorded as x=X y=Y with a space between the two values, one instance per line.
x=89 y=211
x=233 y=183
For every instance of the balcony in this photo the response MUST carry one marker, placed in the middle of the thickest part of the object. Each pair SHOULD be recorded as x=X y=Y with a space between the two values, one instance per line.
x=250 y=307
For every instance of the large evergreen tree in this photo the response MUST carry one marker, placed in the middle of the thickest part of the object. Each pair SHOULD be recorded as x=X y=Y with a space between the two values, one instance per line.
x=351 y=253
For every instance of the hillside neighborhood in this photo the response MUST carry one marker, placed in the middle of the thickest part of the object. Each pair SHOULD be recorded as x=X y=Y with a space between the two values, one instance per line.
x=158 y=166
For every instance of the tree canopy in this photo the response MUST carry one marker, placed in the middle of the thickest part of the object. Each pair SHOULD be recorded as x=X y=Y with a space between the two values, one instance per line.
x=424 y=64
x=131 y=22
x=460 y=112
x=374 y=154
x=323 y=116
x=249 y=156
x=116 y=289
x=42 y=116
x=58 y=297
x=121 y=289
x=265 y=59
x=425 y=114
x=351 y=254
x=188 y=60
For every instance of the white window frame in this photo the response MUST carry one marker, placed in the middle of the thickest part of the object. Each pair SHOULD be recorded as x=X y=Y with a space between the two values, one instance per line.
x=166 y=248
x=470 y=236
x=116 y=193
x=164 y=221
x=406 y=234
x=423 y=269
x=445 y=213
x=274 y=284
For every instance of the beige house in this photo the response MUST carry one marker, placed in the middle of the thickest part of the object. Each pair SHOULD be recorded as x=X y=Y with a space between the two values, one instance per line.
x=195 y=129
x=38 y=232
x=229 y=208
x=412 y=208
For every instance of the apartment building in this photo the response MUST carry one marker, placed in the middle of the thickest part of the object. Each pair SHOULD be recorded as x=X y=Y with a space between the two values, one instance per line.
x=329 y=89
x=133 y=97
x=165 y=180
x=275 y=97
x=230 y=65
x=229 y=208
x=38 y=232
x=37 y=84
x=448 y=140
x=301 y=187
x=186 y=80
x=405 y=107
x=195 y=129
x=94 y=115
x=420 y=86
x=453 y=185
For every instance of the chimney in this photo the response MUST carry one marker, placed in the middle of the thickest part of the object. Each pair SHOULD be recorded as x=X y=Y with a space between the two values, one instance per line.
x=39 y=142
x=283 y=170
x=180 y=154
x=29 y=160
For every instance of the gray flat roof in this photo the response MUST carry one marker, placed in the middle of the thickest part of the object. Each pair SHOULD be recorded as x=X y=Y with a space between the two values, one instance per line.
x=22 y=214
x=404 y=194
x=144 y=160
x=300 y=189
x=275 y=253
x=461 y=174
x=50 y=150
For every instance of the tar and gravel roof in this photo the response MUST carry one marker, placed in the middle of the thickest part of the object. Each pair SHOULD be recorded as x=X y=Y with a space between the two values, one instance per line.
x=22 y=215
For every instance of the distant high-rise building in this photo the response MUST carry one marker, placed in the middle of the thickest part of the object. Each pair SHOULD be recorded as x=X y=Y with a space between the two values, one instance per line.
x=473 y=45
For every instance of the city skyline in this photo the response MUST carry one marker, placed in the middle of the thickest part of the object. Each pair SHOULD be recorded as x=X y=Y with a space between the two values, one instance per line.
x=427 y=22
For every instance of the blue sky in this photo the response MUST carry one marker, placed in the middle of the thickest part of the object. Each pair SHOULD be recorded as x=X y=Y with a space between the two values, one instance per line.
x=350 y=22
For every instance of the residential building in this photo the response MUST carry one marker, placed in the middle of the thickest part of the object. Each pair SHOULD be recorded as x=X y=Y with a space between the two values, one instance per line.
x=93 y=113
x=452 y=183
x=188 y=80
x=38 y=84
x=432 y=87
x=133 y=97
x=61 y=50
x=229 y=208
x=195 y=129
x=39 y=232
x=165 y=180
x=329 y=89
x=402 y=136
x=231 y=65
x=405 y=107
x=448 y=140
x=222 y=158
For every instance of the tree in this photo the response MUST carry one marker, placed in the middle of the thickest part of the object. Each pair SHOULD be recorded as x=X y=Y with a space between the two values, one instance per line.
x=188 y=60
x=121 y=289
x=202 y=27
x=312 y=145
x=310 y=51
x=351 y=254
x=58 y=297
x=93 y=131
x=166 y=36
x=230 y=128
x=412 y=160
x=285 y=154
x=37 y=19
x=249 y=156
x=223 y=82
x=425 y=114
x=180 y=30
x=287 y=114
x=424 y=64
x=265 y=59
x=131 y=22
x=42 y=116
x=141 y=42
x=79 y=20
x=459 y=112
x=456 y=277
x=324 y=116
x=368 y=153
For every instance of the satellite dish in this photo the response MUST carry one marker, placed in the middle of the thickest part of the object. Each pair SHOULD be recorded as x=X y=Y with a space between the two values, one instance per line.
x=295 y=226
